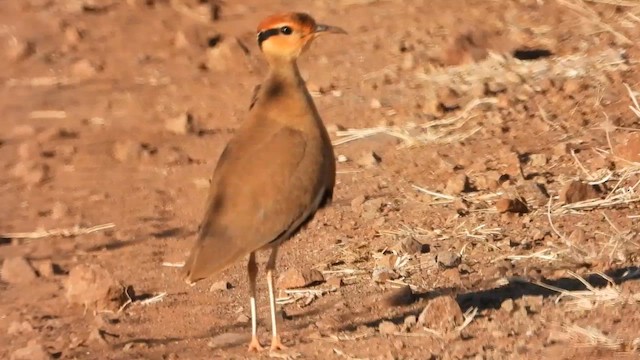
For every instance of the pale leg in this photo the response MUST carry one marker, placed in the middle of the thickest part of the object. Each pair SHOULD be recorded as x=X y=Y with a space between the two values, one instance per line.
x=276 y=344
x=252 y=268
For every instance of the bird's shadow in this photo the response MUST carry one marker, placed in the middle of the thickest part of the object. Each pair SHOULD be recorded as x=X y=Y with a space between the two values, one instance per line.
x=494 y=297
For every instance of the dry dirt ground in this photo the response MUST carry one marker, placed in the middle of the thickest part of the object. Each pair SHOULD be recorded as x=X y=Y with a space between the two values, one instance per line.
x=486 y=205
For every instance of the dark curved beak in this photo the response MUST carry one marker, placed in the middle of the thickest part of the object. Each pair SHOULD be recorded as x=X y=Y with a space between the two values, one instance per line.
x=322 y=28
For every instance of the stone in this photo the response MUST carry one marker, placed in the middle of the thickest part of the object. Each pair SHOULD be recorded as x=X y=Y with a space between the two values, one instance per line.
x=399 y=297
x=448 y=259
x=516 y=205
x=31 y=172
x=368 y=159
x=45 y=268
x=229 y=339
x=84 y=69
x=182 y=124
x=92 y=285
x=412 y=246
x=33 y=351
x=19 y=328
x=387 y=327
x=441 y=314
x=295 y=278
x=220 y=286
x=335 y=282
x=457 y=184
x=127 y=150
x=577 y=191
x=17 y=270
x=382 y=275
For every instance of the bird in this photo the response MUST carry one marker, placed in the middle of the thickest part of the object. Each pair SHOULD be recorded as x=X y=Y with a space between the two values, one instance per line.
x=274 y=174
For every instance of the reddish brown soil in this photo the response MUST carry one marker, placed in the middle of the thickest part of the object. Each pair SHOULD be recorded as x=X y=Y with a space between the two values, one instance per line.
x=88 y=87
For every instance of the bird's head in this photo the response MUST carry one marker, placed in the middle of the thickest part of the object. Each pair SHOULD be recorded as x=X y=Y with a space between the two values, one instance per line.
x=285 y=36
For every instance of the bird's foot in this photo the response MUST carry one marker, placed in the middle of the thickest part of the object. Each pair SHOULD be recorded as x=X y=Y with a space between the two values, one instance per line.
x=255 y=346
x=276 y=344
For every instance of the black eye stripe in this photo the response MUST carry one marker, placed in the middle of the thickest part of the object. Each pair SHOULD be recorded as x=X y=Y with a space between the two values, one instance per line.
x=265 y=34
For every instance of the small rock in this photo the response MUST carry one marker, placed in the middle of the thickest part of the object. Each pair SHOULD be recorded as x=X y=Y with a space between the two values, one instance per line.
x=29 y=150
x=368 y=159
x=17 y=270
x=335 y=282
x=22 y=131
x=45 y=268
x=412 y=246
x=182 y=124
x=441 y=314
x=127 y=150
x=538 y=160
x=487 y=181
x=243 y=319
x=495 y=87
x=629 y=149
x=228 y=339
x=409 y=322
x=294 y=278
x=399 y=297
x=387 y=327
x=84 y=69
x=517 y=206
x=93 y=285
x=382 y=275
x=375 y=104
x=508 y=305
x=180 y=40
x=576 y=191
x=226 y=55
x=533 y=303
x=558 y=336
x=18 y=328
x=448 y=99
x=398 y=344
x=387 y=261
x=458 y=184
x=59 y=210
x=72 y=35
x=448 y=259
x=538 y=234
x=372 y=207
x=33 y=351
x=408 y=61
x=18 y=50
x=577 y=237
x=31 y=172
x=571 y=86
x=356 y=203
x=220 y=286
x=342 y=159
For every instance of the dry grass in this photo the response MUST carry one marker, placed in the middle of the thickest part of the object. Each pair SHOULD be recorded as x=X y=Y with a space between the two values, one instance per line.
x=590 y=336
x=70 y=232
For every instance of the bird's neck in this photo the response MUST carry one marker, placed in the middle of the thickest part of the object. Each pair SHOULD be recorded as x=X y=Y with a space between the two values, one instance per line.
x=285 y=71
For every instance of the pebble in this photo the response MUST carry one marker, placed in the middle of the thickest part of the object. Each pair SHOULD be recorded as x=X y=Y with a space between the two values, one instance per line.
x=182 y=124
x=448 y=259
x=412 y=246
x=220 y=286
x=31 y=172
x=295 y=278
x=84 y=69
x=368 y=159
x=93 y=285
x=441 y=314
x=459 y=183
x=33 y=351
x=409 y=322
x=382 y=275
x=17 y=270
x=335 y=282
x=577 y=191
x=18 y=328
x=229 y=339
x=387 y=327
x=508 y=305
x=517 y=206
x=127 y=150
x=538 y=160
x=18 y=50
x=45 y=268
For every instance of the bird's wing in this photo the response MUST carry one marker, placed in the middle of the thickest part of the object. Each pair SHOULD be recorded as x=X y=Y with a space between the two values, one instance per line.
x=259 y=191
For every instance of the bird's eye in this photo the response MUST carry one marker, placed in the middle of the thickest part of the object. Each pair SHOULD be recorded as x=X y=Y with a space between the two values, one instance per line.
x=286 y=30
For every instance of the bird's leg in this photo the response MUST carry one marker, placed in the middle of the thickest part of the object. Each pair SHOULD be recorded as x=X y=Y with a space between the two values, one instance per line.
x=252 y=268
x=276 y=344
